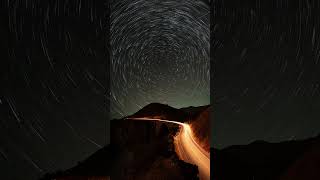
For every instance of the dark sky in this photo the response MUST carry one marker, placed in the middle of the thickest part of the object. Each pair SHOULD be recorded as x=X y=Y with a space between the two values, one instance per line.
x=57 y=78
x=55 y=81
x=54 y=85
x=266 y=71
x=160 y=53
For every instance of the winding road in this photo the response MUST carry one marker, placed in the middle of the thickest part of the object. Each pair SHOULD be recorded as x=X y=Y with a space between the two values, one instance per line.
x=187 y=148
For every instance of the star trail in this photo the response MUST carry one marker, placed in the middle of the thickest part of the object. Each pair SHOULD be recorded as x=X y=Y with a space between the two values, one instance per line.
x=160 y=53
x=266 y=70
x=54 y=85
x=71 y=66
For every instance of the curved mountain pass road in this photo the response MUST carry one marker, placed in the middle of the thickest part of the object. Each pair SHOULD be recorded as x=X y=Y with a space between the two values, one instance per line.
x=187 y=148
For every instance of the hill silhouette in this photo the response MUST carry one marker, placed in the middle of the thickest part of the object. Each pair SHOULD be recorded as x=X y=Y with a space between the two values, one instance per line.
x=198 y=117
x=161 y=111
x=261 y=160
x=139 y=149
x=194 y=112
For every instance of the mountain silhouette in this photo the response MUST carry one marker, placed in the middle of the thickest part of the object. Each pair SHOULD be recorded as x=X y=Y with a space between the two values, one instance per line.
x=260 y=160
x=139 y=149
x=161 y=111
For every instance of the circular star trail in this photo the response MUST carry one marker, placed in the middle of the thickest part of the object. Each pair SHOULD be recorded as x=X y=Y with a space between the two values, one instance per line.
x=160 y=53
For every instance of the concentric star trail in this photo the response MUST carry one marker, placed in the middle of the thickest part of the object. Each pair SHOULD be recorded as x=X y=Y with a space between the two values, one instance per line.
x=160 y=53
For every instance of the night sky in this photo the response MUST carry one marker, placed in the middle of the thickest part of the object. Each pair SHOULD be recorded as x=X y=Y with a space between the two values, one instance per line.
x=266 y=71
x=66 y=70
x=58 y=79
x=54 y=85
x=160 y=53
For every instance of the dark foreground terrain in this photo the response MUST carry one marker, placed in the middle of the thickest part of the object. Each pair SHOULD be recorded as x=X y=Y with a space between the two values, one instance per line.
x=260 y=160
x=139 y=150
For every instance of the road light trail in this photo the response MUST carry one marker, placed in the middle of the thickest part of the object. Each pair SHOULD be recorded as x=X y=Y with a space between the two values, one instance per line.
x=187 y=148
